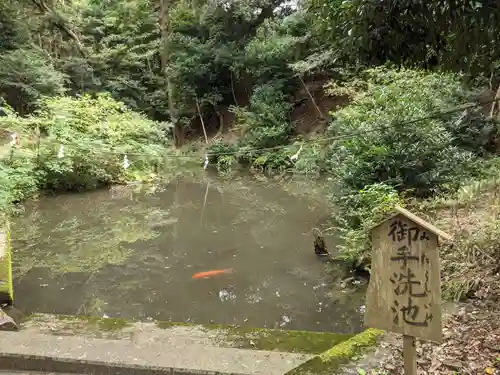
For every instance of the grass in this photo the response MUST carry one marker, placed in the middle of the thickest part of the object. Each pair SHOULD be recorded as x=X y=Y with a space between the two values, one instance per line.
x=470 y=262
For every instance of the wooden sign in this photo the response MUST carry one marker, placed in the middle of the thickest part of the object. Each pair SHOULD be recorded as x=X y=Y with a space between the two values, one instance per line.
x=404 y=293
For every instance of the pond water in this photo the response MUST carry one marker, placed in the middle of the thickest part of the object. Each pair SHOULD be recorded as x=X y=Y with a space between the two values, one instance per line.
x=131 y=253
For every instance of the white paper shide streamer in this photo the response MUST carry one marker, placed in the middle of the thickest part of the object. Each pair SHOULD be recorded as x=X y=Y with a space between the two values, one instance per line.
x=14 y=139
x=60 y=154
x=126 y=164
x=205 y=164
x=296 y=156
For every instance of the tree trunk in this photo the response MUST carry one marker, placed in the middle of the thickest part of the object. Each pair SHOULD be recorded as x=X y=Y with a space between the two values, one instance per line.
x=495 y=103
x=312 y=98
x=201 y=120
x=165 y=6
x=58 y=22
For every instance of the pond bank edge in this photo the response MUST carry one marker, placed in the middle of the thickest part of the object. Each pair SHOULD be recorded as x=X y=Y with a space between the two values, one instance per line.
x=341 y=353
x=267 y=339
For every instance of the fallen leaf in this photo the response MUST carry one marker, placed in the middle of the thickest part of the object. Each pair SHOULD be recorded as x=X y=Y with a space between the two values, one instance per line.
x=489 y=370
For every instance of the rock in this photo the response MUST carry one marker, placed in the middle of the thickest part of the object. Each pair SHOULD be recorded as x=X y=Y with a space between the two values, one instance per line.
x=6 y=322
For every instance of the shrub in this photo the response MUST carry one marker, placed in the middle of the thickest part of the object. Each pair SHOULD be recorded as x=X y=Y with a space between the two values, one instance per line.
x=271 y=160
x=265 y=121
x=358 y=212
x=474 y=132
x=386 y=146
x=223 y=155
x=96 y=133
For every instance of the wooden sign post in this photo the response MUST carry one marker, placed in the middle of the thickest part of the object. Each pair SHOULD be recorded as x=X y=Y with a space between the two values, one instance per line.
x=404 y=293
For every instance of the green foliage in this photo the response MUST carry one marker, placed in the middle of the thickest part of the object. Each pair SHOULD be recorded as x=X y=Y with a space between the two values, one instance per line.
x=18 y=179
x=13 y=32
x=386 y=146
x=461 y=36
x=26 y=75
x=265 y=121
x=223 y=155
x=96 y=133
x=357 y=212
x=388 y=156
x=271 y=160
x=311 y=159
x=270 y=52
x=476 y=133
x=124 y=59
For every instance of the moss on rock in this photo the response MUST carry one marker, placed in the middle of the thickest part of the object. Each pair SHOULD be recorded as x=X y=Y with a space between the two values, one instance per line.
x=77 y=324
x=284 y=340
x=223 y=335
x=341 y=353
x=269 y=339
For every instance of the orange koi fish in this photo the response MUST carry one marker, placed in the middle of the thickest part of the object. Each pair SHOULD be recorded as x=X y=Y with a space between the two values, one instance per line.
x=207 y=274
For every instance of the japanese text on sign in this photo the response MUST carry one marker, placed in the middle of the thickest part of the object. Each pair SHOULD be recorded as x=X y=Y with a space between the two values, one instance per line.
x=405 y=282
x=413 y=306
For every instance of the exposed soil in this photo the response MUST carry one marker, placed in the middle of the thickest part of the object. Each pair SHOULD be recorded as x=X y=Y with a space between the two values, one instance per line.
x=306 y=118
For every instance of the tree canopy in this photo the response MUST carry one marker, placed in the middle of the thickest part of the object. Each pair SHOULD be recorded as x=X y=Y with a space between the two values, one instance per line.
x=171 y=59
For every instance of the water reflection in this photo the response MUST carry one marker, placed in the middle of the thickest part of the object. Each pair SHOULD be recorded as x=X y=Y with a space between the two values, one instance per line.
x=131 y=253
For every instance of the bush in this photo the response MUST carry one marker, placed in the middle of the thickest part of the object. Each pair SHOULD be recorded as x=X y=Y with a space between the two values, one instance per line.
x=311 y=159
x=95 y=134
x=388 y=155
x=358 y=212
x=265 y=122
x=223 y=155
x=386 y=147
x=26 y=75
x=271 y=160
x=474 y=132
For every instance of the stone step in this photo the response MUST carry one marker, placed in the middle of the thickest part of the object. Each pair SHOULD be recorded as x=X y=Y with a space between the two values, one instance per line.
x=32 y=351
x=16 y=372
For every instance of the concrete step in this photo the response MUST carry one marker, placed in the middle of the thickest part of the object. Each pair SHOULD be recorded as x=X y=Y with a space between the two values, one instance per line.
x=14 y=372
x=30 y=351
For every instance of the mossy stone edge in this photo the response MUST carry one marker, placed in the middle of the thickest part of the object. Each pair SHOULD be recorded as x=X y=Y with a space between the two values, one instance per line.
x=330 y=360
x=292 y=341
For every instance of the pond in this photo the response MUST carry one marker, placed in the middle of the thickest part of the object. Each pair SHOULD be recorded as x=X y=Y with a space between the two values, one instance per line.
x=131 y=253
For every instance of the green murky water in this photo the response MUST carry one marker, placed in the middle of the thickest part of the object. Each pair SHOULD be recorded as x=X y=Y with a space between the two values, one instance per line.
x=131 y=252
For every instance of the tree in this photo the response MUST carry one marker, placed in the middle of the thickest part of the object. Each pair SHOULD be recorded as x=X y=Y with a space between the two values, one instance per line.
x=458 y=36
x=166 y=67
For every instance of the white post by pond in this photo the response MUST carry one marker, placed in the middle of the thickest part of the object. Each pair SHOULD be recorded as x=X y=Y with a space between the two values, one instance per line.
x=404 y=293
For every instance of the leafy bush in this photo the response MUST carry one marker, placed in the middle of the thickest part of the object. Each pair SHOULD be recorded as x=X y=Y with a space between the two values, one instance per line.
x=223 y=155
x=358 y=212
x=385 y=146
x=474 y=132
x=311 y=159
x=265 y=122
x=95 y=134
x=271 y=160
x=388 y=155
x=18 y=179
x=34 y=76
